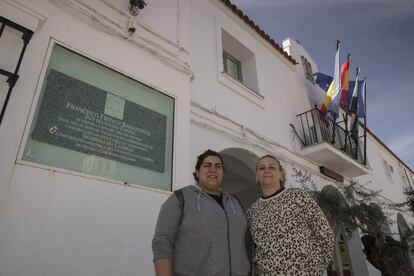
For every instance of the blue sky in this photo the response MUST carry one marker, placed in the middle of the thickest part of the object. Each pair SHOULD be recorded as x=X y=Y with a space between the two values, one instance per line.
x=379 y=35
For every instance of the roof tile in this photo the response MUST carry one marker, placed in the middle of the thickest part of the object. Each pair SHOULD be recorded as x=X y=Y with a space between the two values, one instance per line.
x=257 y=29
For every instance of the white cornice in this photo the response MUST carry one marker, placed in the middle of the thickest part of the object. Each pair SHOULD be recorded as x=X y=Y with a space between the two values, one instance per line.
x=23 y=14
x=111 y=18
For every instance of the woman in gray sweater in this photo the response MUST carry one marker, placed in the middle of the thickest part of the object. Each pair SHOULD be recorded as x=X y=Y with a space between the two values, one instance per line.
x=201 y=229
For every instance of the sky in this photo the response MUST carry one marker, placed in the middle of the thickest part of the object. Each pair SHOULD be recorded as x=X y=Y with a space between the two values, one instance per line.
x=379 y=35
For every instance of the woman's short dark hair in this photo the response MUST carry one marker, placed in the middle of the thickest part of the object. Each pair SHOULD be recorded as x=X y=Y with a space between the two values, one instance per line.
x=202 y=157
x=282 y=170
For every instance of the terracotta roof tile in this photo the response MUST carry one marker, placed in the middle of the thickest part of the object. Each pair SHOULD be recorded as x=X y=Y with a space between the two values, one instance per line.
x=257 y=29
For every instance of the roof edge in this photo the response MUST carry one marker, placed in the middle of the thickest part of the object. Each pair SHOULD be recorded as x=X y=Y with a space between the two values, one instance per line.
x=386 y=147
x=258 y=30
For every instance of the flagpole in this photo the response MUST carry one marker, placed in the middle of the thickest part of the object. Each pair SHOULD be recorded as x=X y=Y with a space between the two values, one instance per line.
x=336 y=65
x=365 y=120
x=357 y=122
x=347 y=105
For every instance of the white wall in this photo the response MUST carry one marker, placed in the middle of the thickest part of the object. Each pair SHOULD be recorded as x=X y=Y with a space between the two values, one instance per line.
x=55 y=222
x=276 y=76
x=392 y=188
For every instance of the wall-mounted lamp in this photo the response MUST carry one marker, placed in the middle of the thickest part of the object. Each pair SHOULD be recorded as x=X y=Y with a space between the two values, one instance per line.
x=135 y=6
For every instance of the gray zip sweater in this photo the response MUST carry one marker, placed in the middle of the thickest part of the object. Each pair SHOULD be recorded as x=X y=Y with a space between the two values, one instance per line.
x=200 y=237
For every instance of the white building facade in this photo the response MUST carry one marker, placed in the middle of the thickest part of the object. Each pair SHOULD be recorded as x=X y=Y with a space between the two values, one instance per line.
x=111 y=109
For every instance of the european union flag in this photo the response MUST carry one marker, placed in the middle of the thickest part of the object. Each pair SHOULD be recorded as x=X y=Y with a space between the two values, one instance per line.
x=323 y=80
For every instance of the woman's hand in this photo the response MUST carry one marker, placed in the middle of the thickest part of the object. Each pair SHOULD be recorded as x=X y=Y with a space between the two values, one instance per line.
x=163 y=267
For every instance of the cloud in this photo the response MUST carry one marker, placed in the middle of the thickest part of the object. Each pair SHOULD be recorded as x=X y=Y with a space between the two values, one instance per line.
x=403 y=144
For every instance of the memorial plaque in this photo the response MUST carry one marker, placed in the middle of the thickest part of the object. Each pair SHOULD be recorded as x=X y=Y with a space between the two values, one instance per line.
x=78 y=116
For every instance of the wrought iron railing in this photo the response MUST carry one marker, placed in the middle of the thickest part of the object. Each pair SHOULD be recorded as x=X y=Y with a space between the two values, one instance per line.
x=12 y=77
x=316 y=128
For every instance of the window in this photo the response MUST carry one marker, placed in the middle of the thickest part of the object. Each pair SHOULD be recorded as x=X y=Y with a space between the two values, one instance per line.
x=404 y=177
x=93 y=120
x=307 y=67
x=232 y=67
x=404 y=180
x=388 y=169
x=239 y=62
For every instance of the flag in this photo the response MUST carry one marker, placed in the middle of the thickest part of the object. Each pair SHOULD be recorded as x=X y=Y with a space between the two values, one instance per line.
x=323 y=80
x=361 y=113
x=344 y=83
x=353 y=109
x=330 y=104
x=361 y=102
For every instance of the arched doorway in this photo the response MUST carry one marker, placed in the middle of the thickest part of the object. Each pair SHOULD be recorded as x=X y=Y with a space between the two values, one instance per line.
x=239 y=178
x=406 y=236
x=348 y=258
x=341 y=265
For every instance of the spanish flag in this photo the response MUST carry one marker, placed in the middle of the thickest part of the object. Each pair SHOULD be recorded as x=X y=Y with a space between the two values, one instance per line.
x=345 y=83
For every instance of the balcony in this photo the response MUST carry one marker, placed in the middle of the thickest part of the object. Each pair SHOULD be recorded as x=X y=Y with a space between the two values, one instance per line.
x=331 y=145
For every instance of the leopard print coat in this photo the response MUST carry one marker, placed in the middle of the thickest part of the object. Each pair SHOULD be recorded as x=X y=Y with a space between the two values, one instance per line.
x=291 y=235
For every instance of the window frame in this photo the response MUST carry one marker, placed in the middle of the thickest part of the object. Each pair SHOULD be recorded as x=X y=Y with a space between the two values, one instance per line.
x=252 y=94
x=307 y=67
x=226 y=57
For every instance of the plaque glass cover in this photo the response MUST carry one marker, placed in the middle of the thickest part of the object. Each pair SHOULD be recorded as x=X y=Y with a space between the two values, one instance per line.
x=94 y=120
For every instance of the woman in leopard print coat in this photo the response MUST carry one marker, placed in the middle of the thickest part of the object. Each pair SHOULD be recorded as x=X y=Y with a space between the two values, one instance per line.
x=290 y=233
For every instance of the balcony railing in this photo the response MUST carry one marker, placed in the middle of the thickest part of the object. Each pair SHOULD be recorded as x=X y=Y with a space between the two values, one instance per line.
x=316 y=129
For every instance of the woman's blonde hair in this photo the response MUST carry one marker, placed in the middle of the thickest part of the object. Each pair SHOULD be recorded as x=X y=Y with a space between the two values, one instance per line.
x=282 y=170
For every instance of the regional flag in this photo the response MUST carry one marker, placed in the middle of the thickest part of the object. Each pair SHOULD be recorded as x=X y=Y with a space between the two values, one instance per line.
x=361 y=113
x=353 y=109
x=330 y=104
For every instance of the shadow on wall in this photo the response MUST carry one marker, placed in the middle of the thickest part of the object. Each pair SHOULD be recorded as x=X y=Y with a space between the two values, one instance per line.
x=239 y=178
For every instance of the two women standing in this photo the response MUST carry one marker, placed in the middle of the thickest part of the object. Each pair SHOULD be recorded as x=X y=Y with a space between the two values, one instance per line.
x=201 y=229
